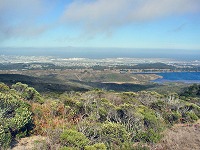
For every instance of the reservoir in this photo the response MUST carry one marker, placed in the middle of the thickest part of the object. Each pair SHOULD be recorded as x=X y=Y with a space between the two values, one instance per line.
x=186 y=77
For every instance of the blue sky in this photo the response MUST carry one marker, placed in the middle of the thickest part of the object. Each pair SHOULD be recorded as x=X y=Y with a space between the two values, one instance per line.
x=166 y=24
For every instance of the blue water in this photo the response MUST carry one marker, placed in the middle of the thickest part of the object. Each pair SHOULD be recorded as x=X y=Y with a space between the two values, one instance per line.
x=186 y=77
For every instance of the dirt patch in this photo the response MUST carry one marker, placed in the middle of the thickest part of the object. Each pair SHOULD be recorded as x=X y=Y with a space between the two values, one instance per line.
x=181 y=137
x=28 y=143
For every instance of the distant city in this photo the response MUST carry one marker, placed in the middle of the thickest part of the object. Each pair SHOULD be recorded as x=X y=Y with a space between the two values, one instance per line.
x=122 y=64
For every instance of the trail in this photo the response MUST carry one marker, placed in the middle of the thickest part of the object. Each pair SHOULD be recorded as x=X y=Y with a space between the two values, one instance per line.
x=77 y=77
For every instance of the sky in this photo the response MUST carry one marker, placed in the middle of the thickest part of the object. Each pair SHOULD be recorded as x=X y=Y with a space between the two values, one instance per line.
x=165 y=24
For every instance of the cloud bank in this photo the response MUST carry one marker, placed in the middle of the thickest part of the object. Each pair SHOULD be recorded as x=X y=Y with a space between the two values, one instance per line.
x=21 y=18
x=24 y=18
x=103 y=15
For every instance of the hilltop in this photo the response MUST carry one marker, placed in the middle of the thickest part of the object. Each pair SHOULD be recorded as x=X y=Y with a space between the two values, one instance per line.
x=94 y=119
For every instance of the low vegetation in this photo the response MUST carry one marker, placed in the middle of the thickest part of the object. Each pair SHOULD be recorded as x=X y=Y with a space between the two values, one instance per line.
x=91 y=120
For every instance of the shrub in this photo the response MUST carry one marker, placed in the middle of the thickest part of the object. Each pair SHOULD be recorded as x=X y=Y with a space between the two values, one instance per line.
x=53 y=136
x=113 y=134
x=151 y=121
x=28 y=93
x=195 y=109
x=141 y=146
x=97 y=146
x=103 y=114
x=190 y=116
x=3 y=87
x=5 y=137
x=149 y=136
x=68 y=148
x=22 y=120
x=73 y=138
x=172 y=117
x=157 y=105
x=15 y=117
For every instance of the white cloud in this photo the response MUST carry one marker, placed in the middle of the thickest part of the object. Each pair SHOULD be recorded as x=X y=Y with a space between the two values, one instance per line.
x=23 y=18
x=152 y=9
x=21 y=5
x=104 y=15
x=19 y=18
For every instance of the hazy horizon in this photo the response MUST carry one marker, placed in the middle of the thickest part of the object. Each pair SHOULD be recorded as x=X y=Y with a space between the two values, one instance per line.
x=78 y=52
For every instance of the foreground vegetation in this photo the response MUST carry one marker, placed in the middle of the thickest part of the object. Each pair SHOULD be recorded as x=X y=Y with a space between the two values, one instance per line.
x=92 y=120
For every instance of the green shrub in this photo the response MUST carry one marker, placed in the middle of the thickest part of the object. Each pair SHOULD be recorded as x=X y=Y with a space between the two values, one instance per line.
x=157 y=105
x=195 y=109
x=113 y=134
x=3 y=87
x=103 y=114
x=5 y=137
x=68 y=148
x=97 y=146
x=22 y=119
x=151 y=121
x=149 y=136
x=15 y=117
x=73 y=138
x=28 y=93
x=172 y=117
x=190 y=116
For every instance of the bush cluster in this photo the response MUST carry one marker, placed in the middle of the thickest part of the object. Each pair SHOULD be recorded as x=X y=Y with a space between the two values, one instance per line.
x=16 y=119
x=95 y=120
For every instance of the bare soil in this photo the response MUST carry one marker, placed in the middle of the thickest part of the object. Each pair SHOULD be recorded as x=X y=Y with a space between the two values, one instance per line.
x=28 y=143
x=180 y=137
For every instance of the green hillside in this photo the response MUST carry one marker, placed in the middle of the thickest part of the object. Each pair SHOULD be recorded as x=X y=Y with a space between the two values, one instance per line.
x=96 y=119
